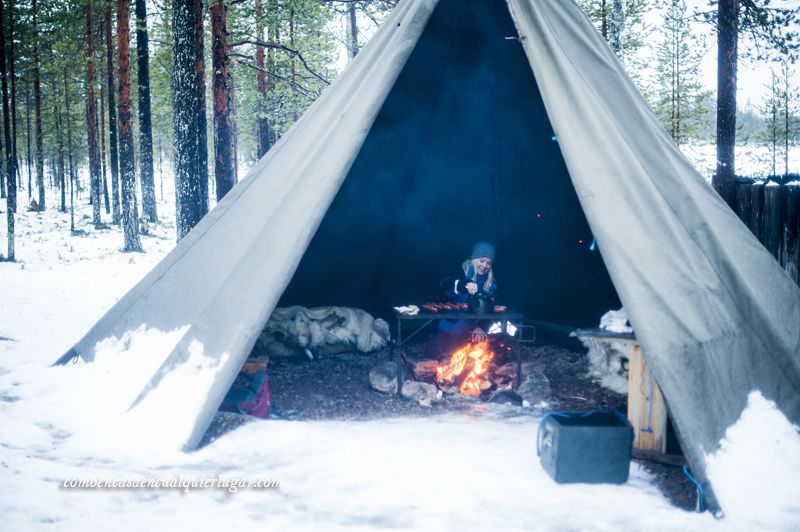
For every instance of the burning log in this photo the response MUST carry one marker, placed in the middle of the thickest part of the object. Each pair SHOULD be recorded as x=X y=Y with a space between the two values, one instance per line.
x=472 y=361
x=467 y=372
x=424 y=370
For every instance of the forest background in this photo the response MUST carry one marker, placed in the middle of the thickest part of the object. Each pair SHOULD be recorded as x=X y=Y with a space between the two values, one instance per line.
x=110 y=103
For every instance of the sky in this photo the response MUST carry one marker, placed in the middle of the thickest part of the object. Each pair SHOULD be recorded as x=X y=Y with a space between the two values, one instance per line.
x=752 y=76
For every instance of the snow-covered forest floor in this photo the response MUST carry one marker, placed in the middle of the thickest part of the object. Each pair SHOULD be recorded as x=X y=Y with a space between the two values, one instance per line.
x=751 y=160
x=463 y=472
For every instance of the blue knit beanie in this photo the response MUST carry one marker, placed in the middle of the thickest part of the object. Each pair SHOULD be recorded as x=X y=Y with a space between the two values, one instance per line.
x=482 y=249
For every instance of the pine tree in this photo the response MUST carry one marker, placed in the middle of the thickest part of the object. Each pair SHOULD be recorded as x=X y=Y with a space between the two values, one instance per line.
x=11 y=174
x=680 y=99
x=91 y=119
x=762 y=23
x=62 y=172
x=69 y=154
x=12 y=75
x=791 y=122
x=200 y=108
x=112 y=116
x=770 y=136
x=616 y=26
x=264 y=133
x=28 y=153
x=37 y=98
x=127 y=167
x=352 y=47
x=778 y=110
x=103 y=149
x=188 y=208
x=145 y=124
x=622 y=24
x=224 y=154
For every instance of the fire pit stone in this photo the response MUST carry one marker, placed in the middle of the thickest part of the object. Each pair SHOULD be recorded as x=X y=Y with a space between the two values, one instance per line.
x=534 y=388
x=383 y=377
x=422 y=392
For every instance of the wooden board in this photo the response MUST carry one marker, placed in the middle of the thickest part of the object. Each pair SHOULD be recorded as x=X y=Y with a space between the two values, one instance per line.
x=647 y=411
x=252 y=366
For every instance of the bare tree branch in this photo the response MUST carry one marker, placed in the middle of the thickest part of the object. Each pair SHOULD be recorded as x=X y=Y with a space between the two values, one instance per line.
x=276 y=46
x=248 y=61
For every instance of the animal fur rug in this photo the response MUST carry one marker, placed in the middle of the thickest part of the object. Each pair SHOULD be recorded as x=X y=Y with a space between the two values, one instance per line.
x=313 y=332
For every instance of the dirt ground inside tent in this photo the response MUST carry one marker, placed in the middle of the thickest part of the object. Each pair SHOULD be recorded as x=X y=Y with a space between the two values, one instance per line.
x=338 y=387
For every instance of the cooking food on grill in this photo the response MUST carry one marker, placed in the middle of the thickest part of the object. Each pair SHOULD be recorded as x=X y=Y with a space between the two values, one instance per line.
x=444 y=307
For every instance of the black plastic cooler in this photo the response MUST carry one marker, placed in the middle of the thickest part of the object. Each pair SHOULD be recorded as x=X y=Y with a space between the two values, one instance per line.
x=592 y=447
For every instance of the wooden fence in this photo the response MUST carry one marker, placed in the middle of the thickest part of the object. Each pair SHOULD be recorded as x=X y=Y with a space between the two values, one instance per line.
x=772 y=212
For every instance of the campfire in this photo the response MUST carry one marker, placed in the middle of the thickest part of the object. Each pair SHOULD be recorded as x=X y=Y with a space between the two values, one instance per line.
x=472 y=369
x=471 y=361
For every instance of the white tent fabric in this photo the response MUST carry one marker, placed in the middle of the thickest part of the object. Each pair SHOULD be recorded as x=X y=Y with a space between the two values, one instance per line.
x=716 y=315
x=215 y=283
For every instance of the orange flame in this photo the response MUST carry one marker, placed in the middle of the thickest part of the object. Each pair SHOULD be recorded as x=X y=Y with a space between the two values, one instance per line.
x=479 y=354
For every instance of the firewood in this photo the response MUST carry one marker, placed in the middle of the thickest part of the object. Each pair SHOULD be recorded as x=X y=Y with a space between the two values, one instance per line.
x=425 y=370
x=506 y=370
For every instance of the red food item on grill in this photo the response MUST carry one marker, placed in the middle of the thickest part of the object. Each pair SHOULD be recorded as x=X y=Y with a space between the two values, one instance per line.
x=445 y=307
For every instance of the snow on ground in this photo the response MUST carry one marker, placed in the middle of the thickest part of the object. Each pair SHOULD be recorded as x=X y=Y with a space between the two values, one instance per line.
x=466 y=472
x=762 y=447
x=751 y=161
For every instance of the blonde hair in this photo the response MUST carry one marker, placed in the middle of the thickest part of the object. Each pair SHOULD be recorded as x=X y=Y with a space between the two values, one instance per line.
x=470 y=263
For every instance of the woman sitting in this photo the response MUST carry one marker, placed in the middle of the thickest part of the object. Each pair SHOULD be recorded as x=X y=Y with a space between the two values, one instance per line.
x=478 y=278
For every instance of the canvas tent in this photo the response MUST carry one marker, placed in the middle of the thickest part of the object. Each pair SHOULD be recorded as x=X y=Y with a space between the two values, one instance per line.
x=466 y=119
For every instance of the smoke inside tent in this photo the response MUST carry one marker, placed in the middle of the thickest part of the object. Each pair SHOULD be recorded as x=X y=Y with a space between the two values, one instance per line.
x=462 y=150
